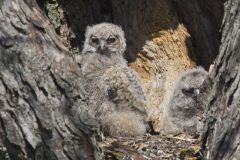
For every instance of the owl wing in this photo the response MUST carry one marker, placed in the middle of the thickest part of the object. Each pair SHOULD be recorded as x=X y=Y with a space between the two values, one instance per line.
x=123 y=86
x=135 y=82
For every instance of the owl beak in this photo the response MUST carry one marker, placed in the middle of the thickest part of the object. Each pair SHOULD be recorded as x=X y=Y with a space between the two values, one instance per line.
x=102 y=45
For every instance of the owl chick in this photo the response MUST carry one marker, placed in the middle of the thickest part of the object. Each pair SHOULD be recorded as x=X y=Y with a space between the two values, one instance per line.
x=115 y=88
x=186 y=106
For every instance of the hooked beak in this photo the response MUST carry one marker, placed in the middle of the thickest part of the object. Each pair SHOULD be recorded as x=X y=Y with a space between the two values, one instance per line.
x=102 y=46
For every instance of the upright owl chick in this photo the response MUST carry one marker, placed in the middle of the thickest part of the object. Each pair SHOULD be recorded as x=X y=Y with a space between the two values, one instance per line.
x=114 y=86
x=186 y=106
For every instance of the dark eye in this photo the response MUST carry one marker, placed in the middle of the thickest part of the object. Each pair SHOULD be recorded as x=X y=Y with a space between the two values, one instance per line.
x=95 y=40
x=111 y=40
x=188 y=91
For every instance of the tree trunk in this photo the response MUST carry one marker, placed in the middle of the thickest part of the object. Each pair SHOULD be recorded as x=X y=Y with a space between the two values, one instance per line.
x=43 y=109
x=222 y=136
x=43 y=112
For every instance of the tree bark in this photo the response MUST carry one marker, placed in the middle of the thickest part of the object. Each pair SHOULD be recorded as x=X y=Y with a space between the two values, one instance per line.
x=222 y=136
x=43 y=111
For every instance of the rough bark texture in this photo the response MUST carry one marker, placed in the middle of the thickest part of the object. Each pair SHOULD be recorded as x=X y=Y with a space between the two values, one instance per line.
x=222 y=137
x=43 y=110
x=40 y=91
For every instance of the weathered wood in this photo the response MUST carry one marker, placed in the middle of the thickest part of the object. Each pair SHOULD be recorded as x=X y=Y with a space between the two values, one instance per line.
x=222 y=136
x=43 y=111
x=43 y=114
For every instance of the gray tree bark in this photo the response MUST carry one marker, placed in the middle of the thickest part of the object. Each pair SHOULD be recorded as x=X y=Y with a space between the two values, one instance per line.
x=222 y=136
x=43 y=111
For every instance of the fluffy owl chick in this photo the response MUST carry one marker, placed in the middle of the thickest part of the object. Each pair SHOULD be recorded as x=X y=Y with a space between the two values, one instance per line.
x=111 y=80
x=185 y=109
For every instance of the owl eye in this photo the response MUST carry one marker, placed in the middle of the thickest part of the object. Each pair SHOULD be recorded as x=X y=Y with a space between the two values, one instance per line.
x=188 y=91
x=95 y=40
x=111 y=40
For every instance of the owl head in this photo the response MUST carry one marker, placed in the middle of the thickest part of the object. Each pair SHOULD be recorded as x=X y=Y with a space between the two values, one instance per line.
x=104 y=38
x=193 y=82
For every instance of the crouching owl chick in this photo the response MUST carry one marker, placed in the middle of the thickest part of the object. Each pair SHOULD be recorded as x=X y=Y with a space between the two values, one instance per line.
x=185 y=109
x=115 y=89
